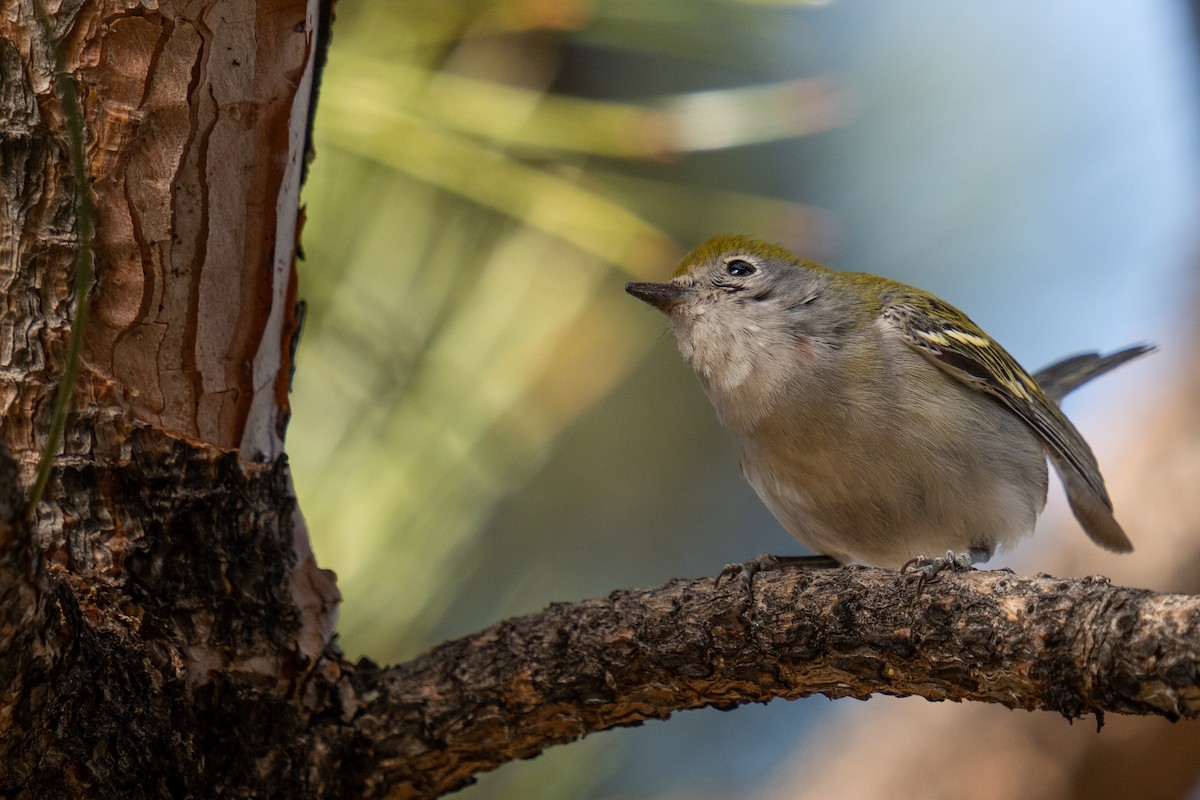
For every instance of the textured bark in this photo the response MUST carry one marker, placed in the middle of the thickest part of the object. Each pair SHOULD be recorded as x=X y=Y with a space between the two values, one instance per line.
x=164 y=630
x=196 y=114
x=1073 y=647
x=160 y=603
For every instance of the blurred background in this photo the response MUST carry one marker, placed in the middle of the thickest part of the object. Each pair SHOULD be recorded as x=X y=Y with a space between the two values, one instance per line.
x=485 y=422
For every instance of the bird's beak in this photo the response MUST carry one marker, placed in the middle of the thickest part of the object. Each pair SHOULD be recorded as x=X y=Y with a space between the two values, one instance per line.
x=663 y=296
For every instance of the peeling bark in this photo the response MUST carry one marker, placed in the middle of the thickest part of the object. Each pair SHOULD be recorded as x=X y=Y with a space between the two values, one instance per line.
x=197 y=115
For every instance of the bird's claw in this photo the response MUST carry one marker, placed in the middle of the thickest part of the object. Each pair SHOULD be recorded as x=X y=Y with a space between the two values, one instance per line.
x=745 y=572
x=765 y=562
x=922 y=570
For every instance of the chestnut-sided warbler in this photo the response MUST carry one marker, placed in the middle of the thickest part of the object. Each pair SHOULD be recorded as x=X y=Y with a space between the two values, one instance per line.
x=877 y=422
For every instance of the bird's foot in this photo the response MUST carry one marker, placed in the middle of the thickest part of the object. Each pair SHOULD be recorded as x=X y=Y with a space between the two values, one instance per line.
x=922 y=570
x=765 y=562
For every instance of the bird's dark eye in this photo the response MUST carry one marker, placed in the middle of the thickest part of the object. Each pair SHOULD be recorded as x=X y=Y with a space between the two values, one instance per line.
x=739 y=267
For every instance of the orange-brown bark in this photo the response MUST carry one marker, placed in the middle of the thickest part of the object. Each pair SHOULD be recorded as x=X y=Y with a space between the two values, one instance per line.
x=196 y=115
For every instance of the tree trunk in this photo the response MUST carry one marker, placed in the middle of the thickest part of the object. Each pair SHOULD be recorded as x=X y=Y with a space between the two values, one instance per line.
x=160 y=604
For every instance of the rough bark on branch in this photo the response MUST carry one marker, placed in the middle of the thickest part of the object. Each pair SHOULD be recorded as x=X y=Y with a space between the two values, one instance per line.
x=1075 y=647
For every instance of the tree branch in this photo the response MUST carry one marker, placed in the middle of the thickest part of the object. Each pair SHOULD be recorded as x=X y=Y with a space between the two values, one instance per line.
x=1075 y=646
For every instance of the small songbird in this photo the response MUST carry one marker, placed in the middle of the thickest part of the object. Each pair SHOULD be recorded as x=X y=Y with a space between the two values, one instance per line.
x=877 y=422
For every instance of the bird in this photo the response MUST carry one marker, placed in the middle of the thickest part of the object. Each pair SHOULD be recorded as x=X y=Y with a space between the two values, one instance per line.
x=877 y=422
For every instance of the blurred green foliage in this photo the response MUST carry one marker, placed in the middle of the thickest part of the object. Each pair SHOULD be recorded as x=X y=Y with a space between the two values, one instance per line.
x=471 y=221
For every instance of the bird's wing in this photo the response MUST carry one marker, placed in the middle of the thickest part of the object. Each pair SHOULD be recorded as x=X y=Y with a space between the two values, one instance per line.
x=950 y=340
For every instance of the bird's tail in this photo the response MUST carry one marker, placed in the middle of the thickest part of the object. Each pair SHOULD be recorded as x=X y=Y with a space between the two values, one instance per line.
x=1063 y=377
